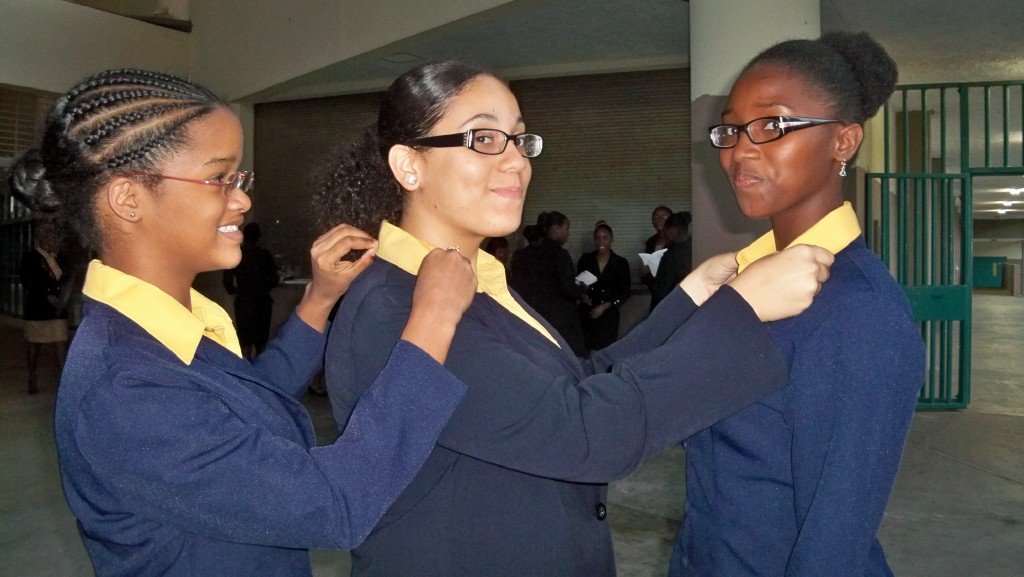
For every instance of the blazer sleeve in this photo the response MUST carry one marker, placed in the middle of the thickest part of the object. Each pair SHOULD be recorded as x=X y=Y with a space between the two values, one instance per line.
x=178 y=454
x=852 y=415
x=523 y=414
x=293 y=357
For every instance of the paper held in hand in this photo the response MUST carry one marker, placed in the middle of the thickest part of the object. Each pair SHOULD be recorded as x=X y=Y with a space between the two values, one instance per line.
x=652 y=260
x=586 y=278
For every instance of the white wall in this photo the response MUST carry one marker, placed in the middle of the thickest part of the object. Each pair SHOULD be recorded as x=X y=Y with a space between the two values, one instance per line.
x=51 y=45
x=279 y=41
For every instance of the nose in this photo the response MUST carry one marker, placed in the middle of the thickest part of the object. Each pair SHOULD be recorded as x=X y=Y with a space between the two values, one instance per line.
x=511 y=159
x=239 y=200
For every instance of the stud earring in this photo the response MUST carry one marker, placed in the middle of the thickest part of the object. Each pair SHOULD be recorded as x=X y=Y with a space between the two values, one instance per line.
x=411 y=180
x=131 y=215
x=842 y=169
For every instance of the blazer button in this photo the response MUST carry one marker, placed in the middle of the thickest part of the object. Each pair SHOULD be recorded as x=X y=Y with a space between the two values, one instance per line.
x=601 y=511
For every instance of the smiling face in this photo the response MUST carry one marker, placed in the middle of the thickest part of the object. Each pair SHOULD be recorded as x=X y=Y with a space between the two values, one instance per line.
x=793 y=180
x=602 y=240
x=658 y=218
x=463 y=196
x=196 y=227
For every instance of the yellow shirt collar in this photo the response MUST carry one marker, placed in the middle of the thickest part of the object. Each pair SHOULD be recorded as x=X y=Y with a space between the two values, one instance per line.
x=407 y=252
x=833 y=233
x=159 y=314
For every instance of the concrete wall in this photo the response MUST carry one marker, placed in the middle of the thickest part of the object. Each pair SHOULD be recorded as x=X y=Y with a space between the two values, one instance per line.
x=51 y=45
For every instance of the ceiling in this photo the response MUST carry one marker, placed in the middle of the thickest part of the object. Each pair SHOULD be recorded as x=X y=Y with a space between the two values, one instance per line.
x=931 y=40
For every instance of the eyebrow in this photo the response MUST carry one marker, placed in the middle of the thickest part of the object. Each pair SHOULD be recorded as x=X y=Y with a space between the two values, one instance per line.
x=224 y=160
x=488 y=116
x=761 y=105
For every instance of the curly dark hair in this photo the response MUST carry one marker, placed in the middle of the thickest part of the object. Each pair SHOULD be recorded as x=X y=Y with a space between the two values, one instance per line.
x=852 y=71
x=113 y=123
x=356 y=185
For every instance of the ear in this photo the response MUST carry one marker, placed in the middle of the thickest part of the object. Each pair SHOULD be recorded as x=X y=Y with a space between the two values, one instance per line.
x=405 y=166
x=848 y=141
x=123 y=197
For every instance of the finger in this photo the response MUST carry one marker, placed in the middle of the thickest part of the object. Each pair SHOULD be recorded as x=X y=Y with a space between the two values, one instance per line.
x=337 y=233
x=333 y=249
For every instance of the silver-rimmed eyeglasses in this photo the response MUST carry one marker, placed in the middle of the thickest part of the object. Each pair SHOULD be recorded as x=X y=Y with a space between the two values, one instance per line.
x=761 y=130
x=241 y=180
x=485 y=141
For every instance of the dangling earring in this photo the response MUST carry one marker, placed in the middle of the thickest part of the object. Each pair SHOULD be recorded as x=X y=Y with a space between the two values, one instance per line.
x=842 y=169
x=411 y=180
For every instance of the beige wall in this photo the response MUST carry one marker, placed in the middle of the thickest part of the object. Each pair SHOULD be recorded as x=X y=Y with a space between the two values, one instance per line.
x=50 y=45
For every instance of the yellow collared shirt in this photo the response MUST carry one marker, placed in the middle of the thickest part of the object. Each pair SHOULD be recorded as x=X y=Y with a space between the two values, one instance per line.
x=833 y=233
x=407 y=252
x=174 y=326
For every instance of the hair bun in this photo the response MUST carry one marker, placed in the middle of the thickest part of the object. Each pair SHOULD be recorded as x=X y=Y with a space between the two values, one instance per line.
x=29 y=184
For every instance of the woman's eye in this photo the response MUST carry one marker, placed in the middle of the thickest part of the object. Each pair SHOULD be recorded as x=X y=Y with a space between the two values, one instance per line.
x=484 y=138
x=771 y=125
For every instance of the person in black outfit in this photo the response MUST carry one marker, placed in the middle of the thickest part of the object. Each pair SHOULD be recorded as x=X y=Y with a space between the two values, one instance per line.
x=543 y=276
x=599 y=308
x=498 y=248
x=677 y=262
x=251 y=282
x=45 y=314
x=657 y=240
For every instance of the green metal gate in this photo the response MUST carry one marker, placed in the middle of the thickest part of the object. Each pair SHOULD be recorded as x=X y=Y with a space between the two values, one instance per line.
x=920 y=224
x=919 y=210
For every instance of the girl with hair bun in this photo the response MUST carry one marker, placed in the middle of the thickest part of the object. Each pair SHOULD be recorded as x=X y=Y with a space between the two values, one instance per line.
x=178 y=456
x=516 y=483
x=797 y=483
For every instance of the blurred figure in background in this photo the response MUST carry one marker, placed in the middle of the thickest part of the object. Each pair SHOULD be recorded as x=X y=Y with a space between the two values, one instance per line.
x=251 y=282
x=677 y=262
x=498 y=248
x=45 y=312
x=599 y=307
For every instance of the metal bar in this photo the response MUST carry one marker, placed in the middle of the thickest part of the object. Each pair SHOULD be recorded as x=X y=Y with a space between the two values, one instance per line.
x=942 y=130
x=988 y=126
x=906 y=134
x=965 y=129
x=925 y=164
x=1006 y=125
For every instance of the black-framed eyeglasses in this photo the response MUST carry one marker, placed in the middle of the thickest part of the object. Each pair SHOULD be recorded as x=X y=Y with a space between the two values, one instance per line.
x=241 y=180
x=485 y=141
x=761 y=130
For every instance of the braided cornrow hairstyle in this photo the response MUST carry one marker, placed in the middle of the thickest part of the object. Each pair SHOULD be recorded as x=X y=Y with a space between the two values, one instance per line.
x=113 y=123
x=854 y=73
x=356 y=185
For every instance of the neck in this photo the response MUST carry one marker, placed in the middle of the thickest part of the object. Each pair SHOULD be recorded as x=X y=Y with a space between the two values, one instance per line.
x=442 y=237
x=152 y=269
x=788 y=225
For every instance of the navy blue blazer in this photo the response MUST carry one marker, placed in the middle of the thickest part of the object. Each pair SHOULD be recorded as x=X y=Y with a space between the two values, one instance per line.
x=516 y=484
x=211 y=468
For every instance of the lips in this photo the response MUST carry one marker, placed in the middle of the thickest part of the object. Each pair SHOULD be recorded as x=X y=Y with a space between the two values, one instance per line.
x=746 y=179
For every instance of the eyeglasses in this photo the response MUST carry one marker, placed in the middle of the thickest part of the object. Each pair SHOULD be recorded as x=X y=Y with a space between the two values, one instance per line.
x=242 y=180
x=485 y=141
x=761 y=130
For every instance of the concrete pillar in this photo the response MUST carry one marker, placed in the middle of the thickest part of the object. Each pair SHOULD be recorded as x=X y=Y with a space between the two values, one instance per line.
x=724 y=36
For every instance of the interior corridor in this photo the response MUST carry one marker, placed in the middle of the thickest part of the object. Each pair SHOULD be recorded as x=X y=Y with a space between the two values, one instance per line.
x=957 y=510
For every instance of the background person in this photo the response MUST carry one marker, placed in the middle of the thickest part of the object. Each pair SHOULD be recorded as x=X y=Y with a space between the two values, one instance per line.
x=797 y=483
x=43 y=278
x=677 y=262
x=178 y=456
x=251 y=282
x=599 y=307
x=516 y=482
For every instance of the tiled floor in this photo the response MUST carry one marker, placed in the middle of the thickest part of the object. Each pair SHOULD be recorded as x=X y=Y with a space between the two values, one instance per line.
x=957 y=510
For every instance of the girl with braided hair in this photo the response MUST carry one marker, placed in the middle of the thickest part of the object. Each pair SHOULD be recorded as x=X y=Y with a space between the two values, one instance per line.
x=178 y=456
x=796 y=484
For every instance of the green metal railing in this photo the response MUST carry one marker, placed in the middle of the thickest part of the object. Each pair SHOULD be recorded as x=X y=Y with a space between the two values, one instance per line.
x=919 y=216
